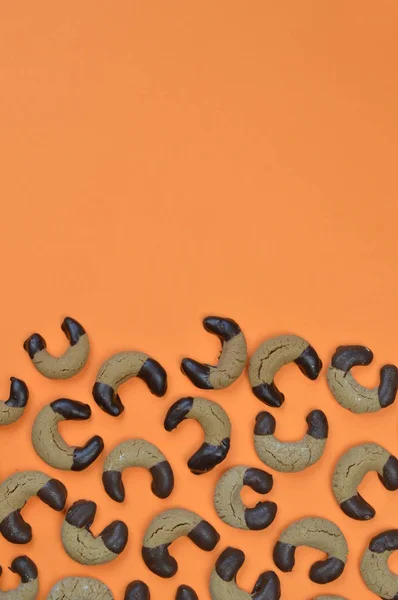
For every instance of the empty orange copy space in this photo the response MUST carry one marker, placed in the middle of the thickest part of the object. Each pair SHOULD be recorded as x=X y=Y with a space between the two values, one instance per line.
x=163 y=161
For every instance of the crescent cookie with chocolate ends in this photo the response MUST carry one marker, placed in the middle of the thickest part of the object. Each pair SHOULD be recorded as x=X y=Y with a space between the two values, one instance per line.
x=216 y=426
x=374 y=565
x=348 y=392
x=15 y=492
x=168 y=526
x=138 y=590
x=70 y=362
x=271 y=356
x=223 y=584
x=80 y=588
x=232 y=359
x=137 y=453
x=290 y=457
x=80 y=543
x=317 y=533
x=228 y=502
x=350 y=471
x=51 y=446
x=118 y=369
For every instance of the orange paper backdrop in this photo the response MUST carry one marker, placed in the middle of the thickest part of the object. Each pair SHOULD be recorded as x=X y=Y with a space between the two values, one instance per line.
x=161 y=161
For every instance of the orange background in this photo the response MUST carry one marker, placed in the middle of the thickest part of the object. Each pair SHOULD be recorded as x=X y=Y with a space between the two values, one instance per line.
x=161 y=161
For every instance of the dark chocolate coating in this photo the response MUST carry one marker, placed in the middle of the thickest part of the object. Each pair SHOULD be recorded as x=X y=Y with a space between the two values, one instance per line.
x=71 y=409
x=15 y=529
x=388 y=385
x=318 y=427
x=390 y=474
x=357 y=508
x=107 y=399
x=387 y=541
x=265 y=424
x=83 y=456
x=197 y=372
x=25 y=568
x=208 y=456
x=159 y=561
x=154 y=376
x=269 y=394
x=19 y=393
x=54 y=494
x=113 y=484
x=267 y=587
x=224 y=328
x=162 y=479
x=258 y=480
x=325 y=571
x=283 y=555
x=177 y=412
x=115 y=536
x=261 y=516
x=35 y=343
x=137 y=590
x=228 y=563
x=204 y=536
x=72 y=329
x=309 y=363
x=347 y=357
x=81 y=514
x=184 y=592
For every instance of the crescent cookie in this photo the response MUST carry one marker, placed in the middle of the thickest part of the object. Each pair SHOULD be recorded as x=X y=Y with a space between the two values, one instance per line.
x=118 y=369
x=13 y=408
x=51 y=446
x=80 y=588
x=232 y=360
x=70 y=362
x=348 y=392
x=374 y=565
x=274 y=354
x=28 y=589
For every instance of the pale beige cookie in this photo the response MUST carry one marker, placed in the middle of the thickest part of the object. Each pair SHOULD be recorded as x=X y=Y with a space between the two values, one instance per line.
x=12 y=409
x=350 y=471
x=290 y=457
x=228 y=502
x=216 y=426
x=169 y=526
x=271 y=356
x=15 y=491
x=348 y=392
x=317 y=533
x=374 y=566
x=28 y=589
x=137 y=453
x=79 y=542
x=118 y=369
x=223 y=584
x=232 y=359
x=51 y=446
x=80 y=588
x=70 y=362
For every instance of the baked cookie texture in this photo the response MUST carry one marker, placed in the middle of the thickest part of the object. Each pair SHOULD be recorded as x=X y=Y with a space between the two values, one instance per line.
x=216 y=426
x=28 y=589
x=350 y=470
x=271 y=356
x=348 y=392
x=228 y=502
x=374 y=565
x=232 y=359
x=70 y=362
x=51 y=446
x=137 y=453
x=81 y=588
x=168 y=526
x=118 y=369
x=290 y=457
x=12 y=409
x=223 y=585
x=319 y=534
